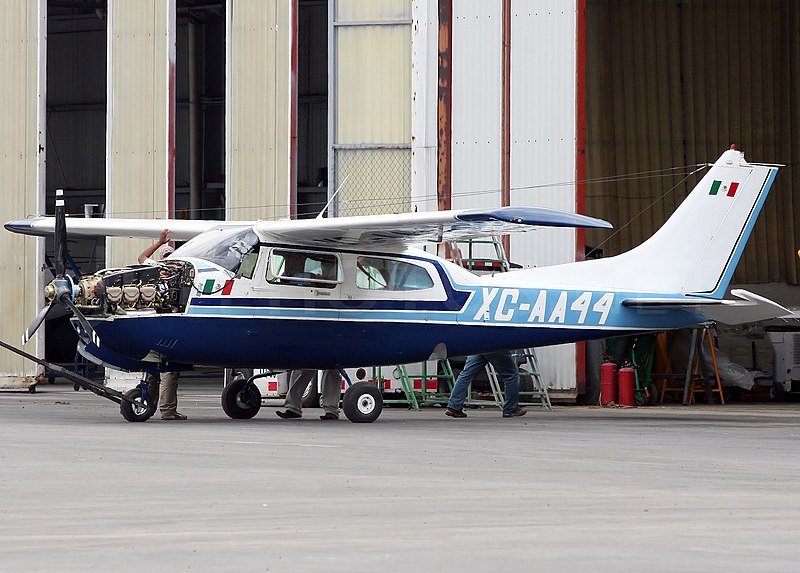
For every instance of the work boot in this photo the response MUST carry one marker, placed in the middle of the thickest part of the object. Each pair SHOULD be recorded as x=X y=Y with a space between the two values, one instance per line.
x=453 y=413
x=288 y=414
x=173 y=415
x=516 y=413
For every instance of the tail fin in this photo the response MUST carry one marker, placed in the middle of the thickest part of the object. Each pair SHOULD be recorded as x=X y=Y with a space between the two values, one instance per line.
x=697 y=249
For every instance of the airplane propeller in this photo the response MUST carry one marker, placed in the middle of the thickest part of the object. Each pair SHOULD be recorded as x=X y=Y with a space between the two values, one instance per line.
x=61 y=289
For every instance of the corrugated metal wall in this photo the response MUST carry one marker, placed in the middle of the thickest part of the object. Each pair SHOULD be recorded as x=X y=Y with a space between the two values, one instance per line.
x=371 y=106
x=258 y=109
x=139 y=101
x=543 y=128
x=477 y=103
x=21 y=135
x=674 y=84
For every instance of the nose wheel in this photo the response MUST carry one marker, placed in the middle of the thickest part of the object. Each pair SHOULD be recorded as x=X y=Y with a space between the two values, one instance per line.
x=362 y=403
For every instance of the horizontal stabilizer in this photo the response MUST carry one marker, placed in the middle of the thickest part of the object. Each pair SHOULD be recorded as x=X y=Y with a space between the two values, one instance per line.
x=751 y=308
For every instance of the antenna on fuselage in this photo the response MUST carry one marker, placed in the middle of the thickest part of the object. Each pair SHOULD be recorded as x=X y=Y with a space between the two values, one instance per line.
x=335 y=193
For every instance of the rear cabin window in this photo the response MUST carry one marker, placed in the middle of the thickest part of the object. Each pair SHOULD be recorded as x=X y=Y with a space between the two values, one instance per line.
x=303 y=268
x=377 y=273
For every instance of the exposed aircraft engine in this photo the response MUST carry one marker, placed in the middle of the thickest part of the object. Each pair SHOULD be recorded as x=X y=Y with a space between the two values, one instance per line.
x=162 y=288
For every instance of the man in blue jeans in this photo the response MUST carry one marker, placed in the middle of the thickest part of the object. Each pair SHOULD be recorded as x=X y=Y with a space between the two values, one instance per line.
x=506 y=368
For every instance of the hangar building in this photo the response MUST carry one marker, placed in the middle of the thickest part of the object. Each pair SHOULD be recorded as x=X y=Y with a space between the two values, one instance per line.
x=245 y=109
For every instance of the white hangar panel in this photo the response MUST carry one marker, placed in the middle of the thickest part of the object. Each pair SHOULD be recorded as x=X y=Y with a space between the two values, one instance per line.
x=476 y=103
x=543 y=143
x=140 y=60
x=543 y=122
x=424 y=105
x=258 y=112
x=22 y=91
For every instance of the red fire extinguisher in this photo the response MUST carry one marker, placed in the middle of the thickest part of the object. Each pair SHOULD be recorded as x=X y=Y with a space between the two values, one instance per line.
x=627 y=385
x=608 y=383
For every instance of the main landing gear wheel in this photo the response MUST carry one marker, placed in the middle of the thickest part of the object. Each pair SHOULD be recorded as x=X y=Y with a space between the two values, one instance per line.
x=141 y=412
x=240 y=400
x=362 y=403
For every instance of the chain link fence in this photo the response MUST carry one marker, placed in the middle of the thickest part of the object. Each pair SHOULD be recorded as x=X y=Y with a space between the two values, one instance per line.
x=378 y=180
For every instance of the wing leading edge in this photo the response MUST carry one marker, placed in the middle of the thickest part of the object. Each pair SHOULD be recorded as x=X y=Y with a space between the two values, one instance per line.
x=180 y=229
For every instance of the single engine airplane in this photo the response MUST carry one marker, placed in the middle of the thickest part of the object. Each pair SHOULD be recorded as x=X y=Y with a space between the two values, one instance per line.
x=350 y=291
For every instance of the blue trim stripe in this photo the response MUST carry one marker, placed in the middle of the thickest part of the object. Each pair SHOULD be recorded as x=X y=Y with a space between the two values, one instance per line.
x=232 y=304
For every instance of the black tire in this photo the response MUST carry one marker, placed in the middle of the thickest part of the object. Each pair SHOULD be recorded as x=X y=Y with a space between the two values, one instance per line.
x=653 y=387
x=240 y=400
x=311 y=395
x=362 y=403
x=139 y=413
x=777 y=392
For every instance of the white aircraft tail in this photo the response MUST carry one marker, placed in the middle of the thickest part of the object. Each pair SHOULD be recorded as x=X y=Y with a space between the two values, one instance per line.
x=695 y=251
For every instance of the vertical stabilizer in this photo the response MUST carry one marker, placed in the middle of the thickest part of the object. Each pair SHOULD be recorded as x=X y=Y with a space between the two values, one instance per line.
x=696 y=250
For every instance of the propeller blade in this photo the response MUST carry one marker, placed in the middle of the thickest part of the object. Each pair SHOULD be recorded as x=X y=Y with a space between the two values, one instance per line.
x=37 y=322
x=87 y=328
x=60 y=234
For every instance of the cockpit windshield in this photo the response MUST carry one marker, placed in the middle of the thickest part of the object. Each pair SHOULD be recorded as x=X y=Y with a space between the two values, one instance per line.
x=223 y=247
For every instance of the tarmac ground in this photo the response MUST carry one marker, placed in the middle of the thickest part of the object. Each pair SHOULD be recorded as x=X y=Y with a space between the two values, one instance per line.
x=698 y=488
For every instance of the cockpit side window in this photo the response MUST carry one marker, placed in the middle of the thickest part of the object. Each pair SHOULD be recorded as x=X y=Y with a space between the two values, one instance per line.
x=378 y=273
x=303 y=268
x=227 y=248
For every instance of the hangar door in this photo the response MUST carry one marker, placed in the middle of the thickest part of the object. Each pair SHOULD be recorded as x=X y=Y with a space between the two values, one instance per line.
x=673 y=84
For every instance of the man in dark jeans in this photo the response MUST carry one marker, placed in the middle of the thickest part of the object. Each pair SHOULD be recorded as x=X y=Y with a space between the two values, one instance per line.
x=506 y=368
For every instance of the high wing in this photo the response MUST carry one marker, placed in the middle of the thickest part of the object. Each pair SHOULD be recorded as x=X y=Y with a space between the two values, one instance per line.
x=395 y=229
x=179 y=229
x=416 y=228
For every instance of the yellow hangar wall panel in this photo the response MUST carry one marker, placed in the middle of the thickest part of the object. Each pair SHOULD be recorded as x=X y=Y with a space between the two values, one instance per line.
x=372 y=10
x=141 y=56
x=543 y=145
x=258 y=111
x=374 y=84
x=371 y=105
x=22 y=91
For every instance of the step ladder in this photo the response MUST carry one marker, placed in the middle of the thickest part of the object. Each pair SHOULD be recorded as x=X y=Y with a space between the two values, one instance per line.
x=529 y=370
x=414 y=398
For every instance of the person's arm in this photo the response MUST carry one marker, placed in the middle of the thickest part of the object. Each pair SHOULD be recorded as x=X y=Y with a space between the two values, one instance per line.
x=148 y=252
